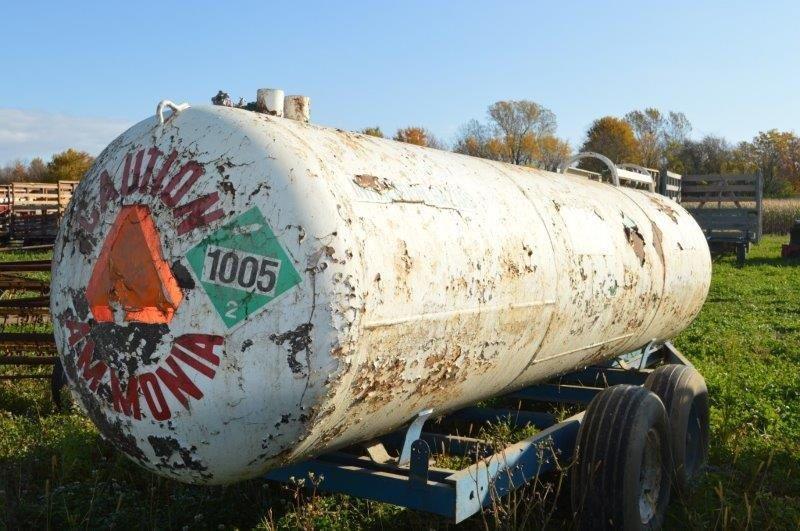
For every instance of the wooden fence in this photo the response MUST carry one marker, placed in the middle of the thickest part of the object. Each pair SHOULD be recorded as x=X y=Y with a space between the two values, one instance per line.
x=31 y=211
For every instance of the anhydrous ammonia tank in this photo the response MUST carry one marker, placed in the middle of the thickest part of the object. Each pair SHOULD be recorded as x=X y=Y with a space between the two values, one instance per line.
x=234 y=291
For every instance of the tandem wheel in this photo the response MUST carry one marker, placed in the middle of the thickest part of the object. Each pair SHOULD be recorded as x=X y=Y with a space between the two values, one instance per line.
x=741 y=254
x=58 y=381
x=621 y=476
x=683 y=391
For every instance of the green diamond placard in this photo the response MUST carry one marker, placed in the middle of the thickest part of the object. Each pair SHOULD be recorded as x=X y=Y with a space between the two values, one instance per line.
x=242 y=267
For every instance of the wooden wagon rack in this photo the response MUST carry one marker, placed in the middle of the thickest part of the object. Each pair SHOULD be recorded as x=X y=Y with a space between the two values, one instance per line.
x=30 y=212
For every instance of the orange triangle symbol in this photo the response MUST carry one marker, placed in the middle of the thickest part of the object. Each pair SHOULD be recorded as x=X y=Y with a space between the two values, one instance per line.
x=131 y=276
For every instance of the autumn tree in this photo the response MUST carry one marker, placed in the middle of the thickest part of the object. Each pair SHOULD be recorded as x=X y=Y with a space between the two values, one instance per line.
x=776 y=155
x=13 y=172
x=476 y=139
x=657 y=133
x=552 y=151
x=69 y=165
x=519 y=132
x=37 y=170
x=373 y=131
x=419 y=136
x=613 y=138
x=520 y=125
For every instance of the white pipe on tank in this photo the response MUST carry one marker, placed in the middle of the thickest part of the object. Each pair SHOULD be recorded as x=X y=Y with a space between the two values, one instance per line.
x=297 y=108
x=270 y=101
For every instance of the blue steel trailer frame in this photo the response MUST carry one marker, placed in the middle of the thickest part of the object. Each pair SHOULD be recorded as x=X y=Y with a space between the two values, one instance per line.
x=411 y=482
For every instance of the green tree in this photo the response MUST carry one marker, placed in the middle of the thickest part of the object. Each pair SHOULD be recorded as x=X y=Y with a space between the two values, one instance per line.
x=711 y=154
x=69 y=165
x=613 y=138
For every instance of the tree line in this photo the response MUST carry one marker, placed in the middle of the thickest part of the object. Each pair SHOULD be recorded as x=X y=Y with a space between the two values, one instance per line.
x=524 y=132
x=69 y=165
x=518 y=132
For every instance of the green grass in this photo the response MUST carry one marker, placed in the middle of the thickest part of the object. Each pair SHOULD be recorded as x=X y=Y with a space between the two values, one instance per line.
x=56 y=471
x=746 y=343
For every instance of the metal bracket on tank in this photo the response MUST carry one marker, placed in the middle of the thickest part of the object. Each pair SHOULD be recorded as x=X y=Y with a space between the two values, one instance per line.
x=176 y=108
x=562 y=168
x=412 y=435
x=640 y=169
x=638 y=359
x=649 y=349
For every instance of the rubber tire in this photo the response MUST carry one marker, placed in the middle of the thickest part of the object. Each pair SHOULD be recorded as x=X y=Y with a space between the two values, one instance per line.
x=741 y=254
x=685 y=396
x=605 y=482
x=58 y=380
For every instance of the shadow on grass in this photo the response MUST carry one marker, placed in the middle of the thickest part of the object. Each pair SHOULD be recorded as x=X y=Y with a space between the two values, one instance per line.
x=773 y=261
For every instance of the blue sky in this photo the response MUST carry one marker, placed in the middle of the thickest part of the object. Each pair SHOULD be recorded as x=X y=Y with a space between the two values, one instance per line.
x=78 y=73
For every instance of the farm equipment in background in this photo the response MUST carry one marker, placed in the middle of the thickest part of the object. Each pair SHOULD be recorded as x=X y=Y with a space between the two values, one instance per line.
x=25 y=303
x=792 y=249
x=728 y=208
x=29 y=218
x=30 y=212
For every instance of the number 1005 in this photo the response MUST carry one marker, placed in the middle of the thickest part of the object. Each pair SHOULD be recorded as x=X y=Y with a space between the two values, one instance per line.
x=241 y=270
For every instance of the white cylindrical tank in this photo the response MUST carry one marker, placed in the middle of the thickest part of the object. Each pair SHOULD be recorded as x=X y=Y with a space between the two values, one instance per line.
x=234 y=291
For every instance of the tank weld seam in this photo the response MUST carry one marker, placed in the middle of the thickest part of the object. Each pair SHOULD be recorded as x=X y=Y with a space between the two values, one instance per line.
x=593 y=345
x=433 y=316
x=411 y=202
x=645 y=328
x=557 y=280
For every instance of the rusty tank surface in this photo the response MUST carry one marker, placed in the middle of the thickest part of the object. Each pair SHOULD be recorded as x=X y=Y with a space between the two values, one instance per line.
x=234 y=291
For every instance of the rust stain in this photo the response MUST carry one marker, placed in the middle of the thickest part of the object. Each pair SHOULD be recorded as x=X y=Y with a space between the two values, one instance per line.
x=405 y=261
x=370 y=182
x=665 y=208
x=637 y=242
x=658 y=242
x=375 y=381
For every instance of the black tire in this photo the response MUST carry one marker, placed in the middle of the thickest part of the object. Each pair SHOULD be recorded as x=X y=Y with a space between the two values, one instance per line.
x=741 y=254
x=685 y=396
x=620 y=478
x=58 y=380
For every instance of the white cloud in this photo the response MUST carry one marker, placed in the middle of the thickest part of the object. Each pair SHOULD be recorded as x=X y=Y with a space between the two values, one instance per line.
x=25 y=134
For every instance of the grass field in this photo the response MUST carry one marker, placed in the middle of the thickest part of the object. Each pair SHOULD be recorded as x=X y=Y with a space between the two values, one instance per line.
x=55 y=471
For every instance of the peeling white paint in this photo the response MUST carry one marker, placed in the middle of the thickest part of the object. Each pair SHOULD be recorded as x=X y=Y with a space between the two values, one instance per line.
x=442 y=281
